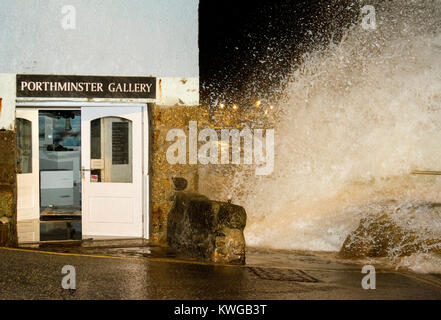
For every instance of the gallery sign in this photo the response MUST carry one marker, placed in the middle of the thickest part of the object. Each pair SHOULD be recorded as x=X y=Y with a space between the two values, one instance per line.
x=65 y=86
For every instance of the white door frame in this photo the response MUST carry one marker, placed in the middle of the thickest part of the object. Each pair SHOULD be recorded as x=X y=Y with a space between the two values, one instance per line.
x=28 y=186
x=54 y=105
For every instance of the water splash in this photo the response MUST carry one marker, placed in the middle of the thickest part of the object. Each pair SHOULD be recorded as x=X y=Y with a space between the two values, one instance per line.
x=358 y=116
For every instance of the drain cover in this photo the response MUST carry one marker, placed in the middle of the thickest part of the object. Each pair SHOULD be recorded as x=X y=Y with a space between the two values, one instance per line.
x=282 y=274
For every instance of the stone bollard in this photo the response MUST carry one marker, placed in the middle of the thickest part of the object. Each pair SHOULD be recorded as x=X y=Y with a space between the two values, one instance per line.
x=208 y=230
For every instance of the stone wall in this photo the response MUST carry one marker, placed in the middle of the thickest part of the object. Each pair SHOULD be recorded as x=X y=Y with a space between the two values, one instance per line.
x=164 y=119
x=8 y=193
x=214 y=181
x=8 y=188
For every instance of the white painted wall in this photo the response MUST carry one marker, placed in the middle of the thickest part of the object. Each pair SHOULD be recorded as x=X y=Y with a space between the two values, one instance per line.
x=112 y=37
x=7 y=93
x=177 y=91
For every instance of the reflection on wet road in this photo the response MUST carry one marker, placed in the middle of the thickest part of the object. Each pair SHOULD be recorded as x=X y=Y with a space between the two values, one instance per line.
x=137 y=273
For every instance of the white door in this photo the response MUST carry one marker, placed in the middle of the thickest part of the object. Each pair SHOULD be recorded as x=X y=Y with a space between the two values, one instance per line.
x=28 y=193
x=112 y=177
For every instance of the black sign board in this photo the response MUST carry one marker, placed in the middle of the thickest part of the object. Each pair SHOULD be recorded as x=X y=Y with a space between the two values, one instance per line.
x=64 y=86
x=120 y=143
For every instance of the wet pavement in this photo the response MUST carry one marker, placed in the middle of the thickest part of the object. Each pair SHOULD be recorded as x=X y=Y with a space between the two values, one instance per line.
x=138 y=270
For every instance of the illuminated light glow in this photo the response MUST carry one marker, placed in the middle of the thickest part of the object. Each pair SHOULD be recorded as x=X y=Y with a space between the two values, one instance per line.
x=221 y=106
x=235 y=107
x=258 y=103
x=271 y=107
x=266 y=111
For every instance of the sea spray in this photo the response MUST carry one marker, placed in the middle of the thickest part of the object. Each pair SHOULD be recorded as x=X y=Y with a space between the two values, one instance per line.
x=355 y=119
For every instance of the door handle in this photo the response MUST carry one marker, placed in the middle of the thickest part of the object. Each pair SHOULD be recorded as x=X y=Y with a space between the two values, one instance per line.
x=83 y=170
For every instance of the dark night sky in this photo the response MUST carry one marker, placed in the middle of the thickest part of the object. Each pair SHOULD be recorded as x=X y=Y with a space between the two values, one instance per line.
x=248 y=47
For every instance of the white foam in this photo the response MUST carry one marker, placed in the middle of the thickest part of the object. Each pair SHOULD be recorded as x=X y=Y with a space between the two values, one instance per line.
x=421 y=263
x=357 y=119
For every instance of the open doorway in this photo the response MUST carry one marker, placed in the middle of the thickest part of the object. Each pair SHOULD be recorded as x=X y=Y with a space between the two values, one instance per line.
x=60 y=177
